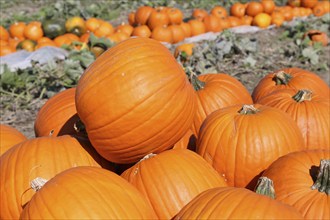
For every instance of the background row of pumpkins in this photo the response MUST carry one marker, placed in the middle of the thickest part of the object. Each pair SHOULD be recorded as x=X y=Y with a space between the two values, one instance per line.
x=138 y=139
x=162 y=23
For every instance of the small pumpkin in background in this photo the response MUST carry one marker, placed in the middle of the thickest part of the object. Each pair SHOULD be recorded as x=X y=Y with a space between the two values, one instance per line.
x=241 y=141
x=162 y=34
x=219 y=12
x=301 y=180
x=175 y=15
x=268 y=6
x=9 y=136
x=311 y=112
x=253 y=8
x=186 y=29
x=53 y=28
x=28 y=45
x=197 y=27
x=142 y=31
x=262 y=20
x=178 y=33
x=316 y=36
x=186 y=48
x=237 y=9
x=180 y=174
x=142 y=14
x=76 y=25
x=199 y=14
x=212 y=24
x=16 y=30
x=4 y=34
x=107 y=196
x=158 y=17
x=233 y=203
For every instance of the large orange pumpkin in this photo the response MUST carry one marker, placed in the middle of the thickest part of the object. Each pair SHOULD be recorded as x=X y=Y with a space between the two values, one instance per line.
x=9 y=136
x=39 y=157
x=241 y=142
x=311 y=112
x=235 y=203
x=135 y=99
x=58 y=115
x=171 y=179
x=301 y=179
x=295 y=78
x=88 y=193
x=215 y=91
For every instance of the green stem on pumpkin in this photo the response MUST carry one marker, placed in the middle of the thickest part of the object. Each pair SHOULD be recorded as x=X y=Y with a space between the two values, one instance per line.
x=193 y=78
x=248 y=110
x=282 y=78
x=265 y=186
x=303 y=95
x=322 y=183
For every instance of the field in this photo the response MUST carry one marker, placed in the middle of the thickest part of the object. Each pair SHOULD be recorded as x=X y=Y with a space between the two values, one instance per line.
x=246 y=56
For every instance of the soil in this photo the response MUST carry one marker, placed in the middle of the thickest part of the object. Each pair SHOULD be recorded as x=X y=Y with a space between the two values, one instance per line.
x=266 y=62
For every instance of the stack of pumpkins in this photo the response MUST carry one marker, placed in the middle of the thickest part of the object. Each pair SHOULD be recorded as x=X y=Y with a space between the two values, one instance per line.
x=137 y=140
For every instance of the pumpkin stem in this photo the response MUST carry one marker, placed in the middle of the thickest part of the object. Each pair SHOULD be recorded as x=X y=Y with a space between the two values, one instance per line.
x=282 y=78
x=265 y=186
x=248 y=110
x=322 y=183
x=38 y=183
x=193 y=78
x=303 y=95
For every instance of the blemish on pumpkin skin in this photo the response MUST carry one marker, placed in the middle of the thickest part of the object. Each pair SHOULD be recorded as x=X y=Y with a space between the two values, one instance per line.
x=123 y=74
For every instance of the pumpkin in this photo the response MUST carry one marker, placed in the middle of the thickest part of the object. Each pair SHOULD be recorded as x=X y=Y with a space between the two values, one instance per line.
x=131 y=18
x=39 y=157
x=235 y=203
x=76 y=25
x=162 y=34
x=301 y=179
x=107 y=196
x=142 y=14
x=144 y=101
x=197 y=27
x=158 y=17
x=317 y=36
x=53 y=28
x=186 y=48
x=241 y=142
x=253 y=8
x=262 y=20
x=58 y=115
x=171 y=179
x=175 y=15
x=9 y=136
x=237 y=9
x=216 y=91
x=126 y=28
x=186 y=28
x=308 y=3
x=295 y=78
x=219 y=11
x=311 y=112
x=212 y=23
x=178 y=33
x=142 y=31
x=268 y=6
x=277 y=18
x=199 y=14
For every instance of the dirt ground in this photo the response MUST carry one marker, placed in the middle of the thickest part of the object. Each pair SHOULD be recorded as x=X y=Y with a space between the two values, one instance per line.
x=267 y=61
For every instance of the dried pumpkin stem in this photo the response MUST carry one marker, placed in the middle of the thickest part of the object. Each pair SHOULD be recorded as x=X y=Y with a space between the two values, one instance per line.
x=37 y=183
x=322 y=183
x=248 y=110
x=282 y=78
x=303 y=95
x=265 y=186
x=193 y=78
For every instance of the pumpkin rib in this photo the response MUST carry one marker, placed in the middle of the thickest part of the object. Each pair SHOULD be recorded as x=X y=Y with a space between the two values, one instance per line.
x=152 y=94
x=141 y=124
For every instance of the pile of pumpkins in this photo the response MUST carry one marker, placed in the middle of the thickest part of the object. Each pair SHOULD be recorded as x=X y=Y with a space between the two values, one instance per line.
x=139 y=139
x=165 y=24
